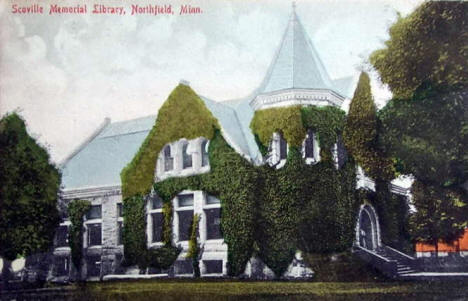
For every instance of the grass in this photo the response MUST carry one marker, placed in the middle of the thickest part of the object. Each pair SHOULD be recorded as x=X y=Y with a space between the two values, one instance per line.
x=218 y=290
x=238 y=290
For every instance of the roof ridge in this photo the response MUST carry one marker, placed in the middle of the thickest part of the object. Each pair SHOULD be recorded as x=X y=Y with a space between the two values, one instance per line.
x=133 y=119
x=88 y=140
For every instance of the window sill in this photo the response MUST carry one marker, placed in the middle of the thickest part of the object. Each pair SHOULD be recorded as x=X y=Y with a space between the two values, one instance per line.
x=156 y=244
x=311 y=161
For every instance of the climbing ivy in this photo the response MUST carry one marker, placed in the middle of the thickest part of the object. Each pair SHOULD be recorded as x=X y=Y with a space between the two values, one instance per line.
x=76 y=211
x=265 y=211
x=237 y=191
x=292 y=122
x=134 y=232
x=171 y=125
x=194 y=248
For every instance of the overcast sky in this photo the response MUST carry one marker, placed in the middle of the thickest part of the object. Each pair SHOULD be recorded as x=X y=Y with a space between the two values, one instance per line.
x=65 y=74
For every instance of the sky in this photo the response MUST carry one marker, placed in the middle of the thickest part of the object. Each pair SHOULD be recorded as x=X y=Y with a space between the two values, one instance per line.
x=65 y=73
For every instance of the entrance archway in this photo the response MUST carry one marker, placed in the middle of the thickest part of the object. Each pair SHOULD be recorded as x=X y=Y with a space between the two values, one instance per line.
x=367 y=228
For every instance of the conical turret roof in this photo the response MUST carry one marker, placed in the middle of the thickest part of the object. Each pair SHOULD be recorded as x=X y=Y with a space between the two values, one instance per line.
x=296 y=63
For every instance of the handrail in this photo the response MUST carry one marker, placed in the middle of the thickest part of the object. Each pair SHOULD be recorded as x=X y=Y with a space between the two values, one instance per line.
x=375 y=254
x=401 y=253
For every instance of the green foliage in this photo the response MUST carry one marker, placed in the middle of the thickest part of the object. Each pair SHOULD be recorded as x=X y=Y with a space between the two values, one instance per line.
x=429 y=137
x=29 y=184
x=237 y=192
x=392 y=211
x=134 y=232
x=279 y=213
x=329 y=209
x=171 y=125
x=162 y=257
x=76 y=211
x=194 y=248
x=361 y=136
x=293 y=122
x=327 y=122
x=287 y=121
x=428 y=46
x=167 y=226
x=441 y=213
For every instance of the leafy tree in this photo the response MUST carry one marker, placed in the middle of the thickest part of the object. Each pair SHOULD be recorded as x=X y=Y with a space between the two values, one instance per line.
x=425 y=126
x=428 y=137
x=441 y=214
x=360 y=133
x=28 y=193
x=428 y=46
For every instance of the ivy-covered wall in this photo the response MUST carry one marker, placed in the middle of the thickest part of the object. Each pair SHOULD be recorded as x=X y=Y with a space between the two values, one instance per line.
x=265 y=211
x=182 y=108
x=76 y=211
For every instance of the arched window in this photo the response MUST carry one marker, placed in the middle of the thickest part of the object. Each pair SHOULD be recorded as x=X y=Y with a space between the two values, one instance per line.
x=277 y=151
x=204 y=152
x=168 y=159
x=309 y=145
x=186 y=157
x=283 y=148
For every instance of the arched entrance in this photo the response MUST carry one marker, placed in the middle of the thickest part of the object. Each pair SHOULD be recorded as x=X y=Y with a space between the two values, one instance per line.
x=367 y=228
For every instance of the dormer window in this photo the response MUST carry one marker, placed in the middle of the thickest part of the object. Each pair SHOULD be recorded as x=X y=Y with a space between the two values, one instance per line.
x=309 y=145
x=186 y=157
x=168 y=159
x=278 y=151
x=310 y=148
x=283 y=148
x=204 y=152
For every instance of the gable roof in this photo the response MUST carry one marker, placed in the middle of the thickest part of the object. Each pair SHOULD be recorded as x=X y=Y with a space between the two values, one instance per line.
x=99 y=162
x=230 y=125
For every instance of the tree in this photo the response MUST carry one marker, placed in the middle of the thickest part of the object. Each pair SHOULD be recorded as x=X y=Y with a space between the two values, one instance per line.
x=428 y=137
x=425 y=126
x=29 y=184
x=361 y=133
x=427 y=47
x=440 y=216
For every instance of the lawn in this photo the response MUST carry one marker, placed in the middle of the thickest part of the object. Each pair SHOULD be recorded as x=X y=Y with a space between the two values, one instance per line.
x=238 y=290
x=217 y=290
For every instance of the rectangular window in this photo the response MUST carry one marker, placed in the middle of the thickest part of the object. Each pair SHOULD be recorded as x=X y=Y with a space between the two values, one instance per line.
x=62 y=266
x=62 y=236
x=185 y=224
x=213 y=223
x=283 y=149
x=210 y=200
x=119 y=210
x=185 y=200
x=93 y=266
x=156 y=202
x=186 y=157
x=94 y=234
x=183 y=267
x=158 y=222
x=213 y=266
x=204 y=151
x=120 y=234
x=94 y=212
x=309 y=146
x=168 y=164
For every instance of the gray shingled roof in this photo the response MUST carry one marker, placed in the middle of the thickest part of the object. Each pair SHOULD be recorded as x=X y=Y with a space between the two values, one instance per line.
x=99 y=162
